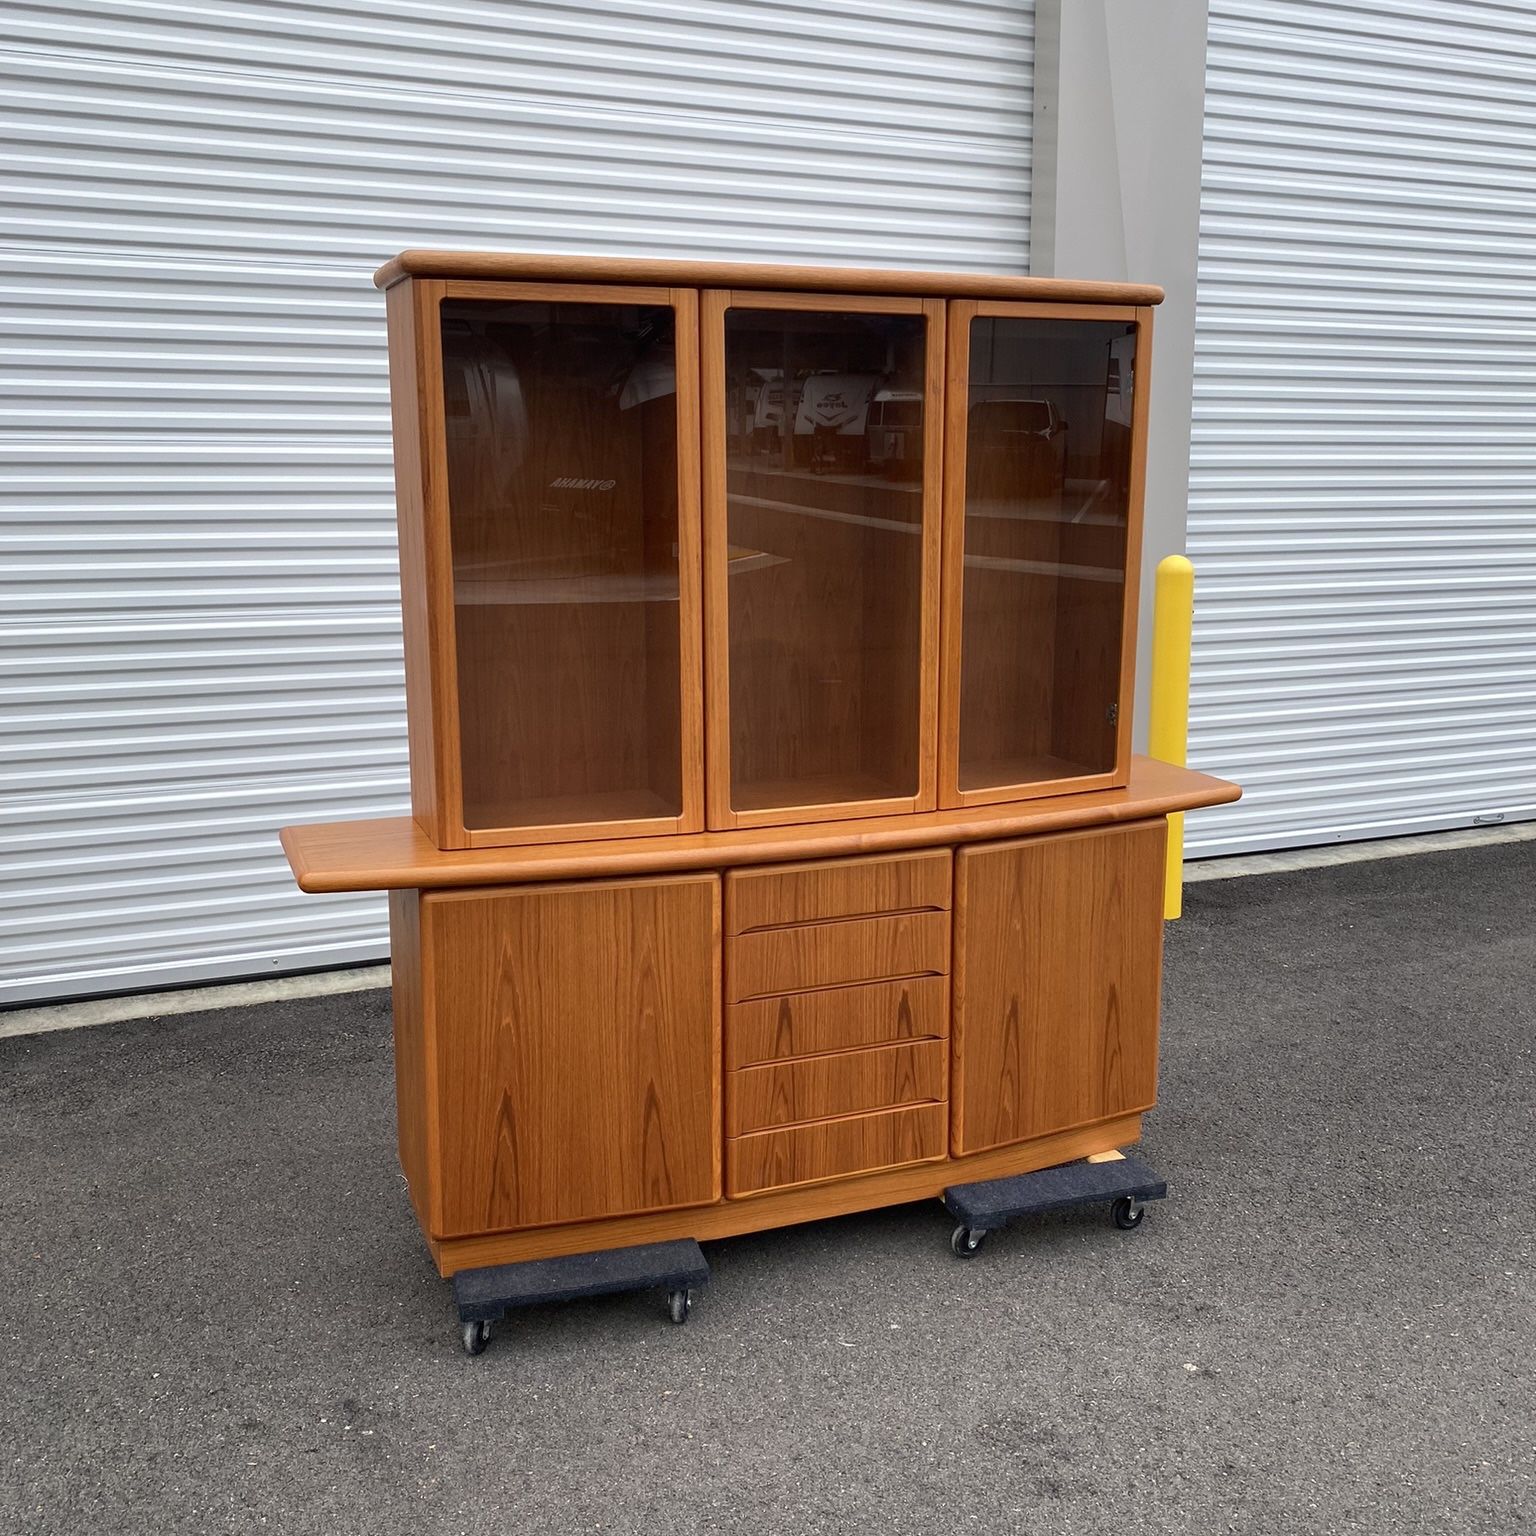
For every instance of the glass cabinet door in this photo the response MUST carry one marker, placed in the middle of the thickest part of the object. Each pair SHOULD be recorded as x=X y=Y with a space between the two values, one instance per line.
x=1042 y=539
x=822 y=433
x=573 y=548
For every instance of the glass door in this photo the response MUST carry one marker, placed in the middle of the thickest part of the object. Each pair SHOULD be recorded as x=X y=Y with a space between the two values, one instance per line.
x=570 y=441
x=822 y=438
x=1046 y=446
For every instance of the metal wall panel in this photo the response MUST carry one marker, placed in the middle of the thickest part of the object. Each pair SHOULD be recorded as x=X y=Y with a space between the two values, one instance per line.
x=1363 y=489
x=199 y=609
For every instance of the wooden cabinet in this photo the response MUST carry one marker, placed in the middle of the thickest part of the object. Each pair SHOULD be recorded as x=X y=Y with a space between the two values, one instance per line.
x=559 y=1050
x=639 y=519
x=1058 y=965
x=776 y=848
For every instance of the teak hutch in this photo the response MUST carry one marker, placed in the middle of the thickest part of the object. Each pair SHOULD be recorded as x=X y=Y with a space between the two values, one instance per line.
x=777 y=848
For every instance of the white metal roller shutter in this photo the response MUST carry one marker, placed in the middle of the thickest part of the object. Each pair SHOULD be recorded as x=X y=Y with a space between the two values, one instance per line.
x=198 y=591
x=1363 y=488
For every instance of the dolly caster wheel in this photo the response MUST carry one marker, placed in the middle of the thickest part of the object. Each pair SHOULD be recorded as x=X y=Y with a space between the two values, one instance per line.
x=965 y=1242
x=1128 y=1213
x=476 y=1337
x=679 y=1305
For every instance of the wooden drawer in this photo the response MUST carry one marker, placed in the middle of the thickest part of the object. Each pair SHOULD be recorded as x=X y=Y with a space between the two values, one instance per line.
x=833 y=1149
x=850 y=1083
x=836 y=1019
x=835 y=954
x=809 y=893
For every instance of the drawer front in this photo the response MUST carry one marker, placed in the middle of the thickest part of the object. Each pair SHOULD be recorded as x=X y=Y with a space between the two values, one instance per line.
x=836 y=1019
x=852 y=1083
x=810 y=893
x=832 y=1149
x=835 y=954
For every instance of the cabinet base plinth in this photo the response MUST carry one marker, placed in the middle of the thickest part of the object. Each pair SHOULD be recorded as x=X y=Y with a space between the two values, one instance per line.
x=784 y=1207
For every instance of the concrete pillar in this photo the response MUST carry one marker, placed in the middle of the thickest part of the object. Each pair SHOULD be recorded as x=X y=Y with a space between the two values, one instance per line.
x=1115 y=194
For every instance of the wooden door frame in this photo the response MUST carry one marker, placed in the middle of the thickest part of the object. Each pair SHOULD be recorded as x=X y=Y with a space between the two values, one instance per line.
x=714 y=302
x=957 y=397
x=427 y=552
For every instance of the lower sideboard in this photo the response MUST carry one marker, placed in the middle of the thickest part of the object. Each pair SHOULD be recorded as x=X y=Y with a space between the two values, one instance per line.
x=592 y=1063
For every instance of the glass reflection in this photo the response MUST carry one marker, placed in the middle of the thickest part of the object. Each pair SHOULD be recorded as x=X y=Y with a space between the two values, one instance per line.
x=824 y=520
x=561 y=427
x=1048 y=453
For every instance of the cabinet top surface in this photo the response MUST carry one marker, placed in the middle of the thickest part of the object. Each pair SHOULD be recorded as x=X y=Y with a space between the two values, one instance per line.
x=395 y=854
x=513 y=266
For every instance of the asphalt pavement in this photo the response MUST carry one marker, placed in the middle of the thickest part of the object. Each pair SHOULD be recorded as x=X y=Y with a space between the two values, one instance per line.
x=217 y=1315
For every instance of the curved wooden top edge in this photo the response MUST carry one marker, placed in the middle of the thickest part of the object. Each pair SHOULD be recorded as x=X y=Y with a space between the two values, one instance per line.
x=511 y=266
x=395 y=854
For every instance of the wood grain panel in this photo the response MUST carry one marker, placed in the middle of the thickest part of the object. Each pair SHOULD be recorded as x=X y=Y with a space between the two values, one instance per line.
x=782 y=1208
x=808 y=893
x=831 y=1149
x=426 y=585
x=836 y=954
x=1058 y=959
x=577 y=1050
x=952 y=582
x=1141 y=415
x=848 y=1083
x=690 y=557
x=543 y=267
x=394 y=852
x=716 y=544
x=415 y=1079
x=836 y=1019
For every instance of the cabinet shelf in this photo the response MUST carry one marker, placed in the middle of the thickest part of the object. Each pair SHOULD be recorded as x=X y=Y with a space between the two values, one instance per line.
x=602 y=807
x=1056 y=570
x=981 y=774
x=856 y=520
x=822 y=789
x=560 y=591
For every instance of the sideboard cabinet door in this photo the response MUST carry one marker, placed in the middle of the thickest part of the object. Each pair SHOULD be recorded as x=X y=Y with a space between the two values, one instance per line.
x=1058 y=963
x=574 y=1035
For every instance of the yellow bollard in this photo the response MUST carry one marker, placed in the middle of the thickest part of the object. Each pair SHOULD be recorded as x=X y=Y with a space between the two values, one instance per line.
x=1173 y=617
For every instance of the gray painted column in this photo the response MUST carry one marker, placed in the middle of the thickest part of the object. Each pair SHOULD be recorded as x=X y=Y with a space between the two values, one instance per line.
x=1115 y=194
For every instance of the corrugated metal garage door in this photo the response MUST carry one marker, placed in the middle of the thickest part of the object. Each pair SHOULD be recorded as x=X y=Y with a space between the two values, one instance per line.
x=1363 y=494
x=200 y=620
